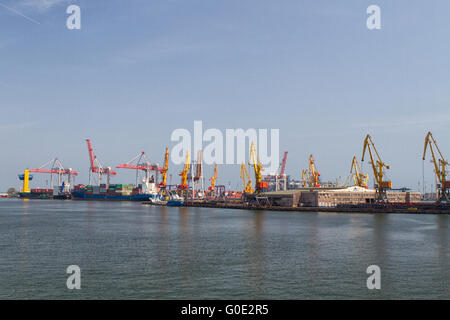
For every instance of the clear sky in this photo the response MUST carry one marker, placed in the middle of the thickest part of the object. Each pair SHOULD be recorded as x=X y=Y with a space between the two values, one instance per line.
x=139 y=69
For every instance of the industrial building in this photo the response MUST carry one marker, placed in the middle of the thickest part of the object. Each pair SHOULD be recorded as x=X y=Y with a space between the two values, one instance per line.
x=331 y=197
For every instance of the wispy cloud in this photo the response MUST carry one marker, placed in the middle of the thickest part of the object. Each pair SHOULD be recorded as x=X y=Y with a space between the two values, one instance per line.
x=160 y=49
x=17 y=12
x=15 y=126
x=41 y=5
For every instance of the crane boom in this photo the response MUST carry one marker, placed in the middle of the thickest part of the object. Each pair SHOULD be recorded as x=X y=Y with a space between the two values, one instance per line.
x=91 y=155
x=439 y=167
x=283 y=164
x=377 y=167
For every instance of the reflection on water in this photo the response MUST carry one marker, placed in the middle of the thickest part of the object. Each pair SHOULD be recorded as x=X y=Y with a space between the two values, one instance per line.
x=256 y=256
x=128 y=250
x=380 y=223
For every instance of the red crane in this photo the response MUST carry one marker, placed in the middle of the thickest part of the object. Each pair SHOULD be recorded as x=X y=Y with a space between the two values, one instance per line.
x=283 y=165
x=96 y=166
x=143 y=164
x=57 y=168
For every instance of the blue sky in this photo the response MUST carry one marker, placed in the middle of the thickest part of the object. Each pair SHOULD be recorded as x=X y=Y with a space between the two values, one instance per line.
x=139 y=69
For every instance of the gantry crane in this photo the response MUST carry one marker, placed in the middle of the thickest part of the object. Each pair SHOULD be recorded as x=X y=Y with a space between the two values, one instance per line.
x=257 y=167
x=360 y=179
x=183 y=186
x=313 y=173
x=144 y=165
x=96 y=166
x=378 y=170
x=246 y=180
x=440 y=164
x=57 y=168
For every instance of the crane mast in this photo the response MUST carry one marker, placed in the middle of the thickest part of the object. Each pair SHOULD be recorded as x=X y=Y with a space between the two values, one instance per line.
x=377 y=167
x=439 y=168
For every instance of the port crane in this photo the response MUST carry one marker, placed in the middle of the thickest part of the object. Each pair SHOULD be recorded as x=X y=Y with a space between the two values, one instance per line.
x=144 y=165
x=184 y=175
x=246 y=180
x=440 y=164
x=57 y=168
x=213 y=179
x=279 y=178
x=96 y=166
x=304 y=178
x=378 y=170
x=283 y=165
x=313 y=173
x=359 y=179
x=257 y=167
x=198 y=166
x=163 y=183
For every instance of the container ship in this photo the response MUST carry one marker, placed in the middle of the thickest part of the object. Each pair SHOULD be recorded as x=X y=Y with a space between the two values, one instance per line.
x=37 y=194
x=119 y=192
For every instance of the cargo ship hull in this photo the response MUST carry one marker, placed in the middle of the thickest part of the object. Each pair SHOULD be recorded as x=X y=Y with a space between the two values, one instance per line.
x=114 y=192
x=80 y=195
x=37 y=194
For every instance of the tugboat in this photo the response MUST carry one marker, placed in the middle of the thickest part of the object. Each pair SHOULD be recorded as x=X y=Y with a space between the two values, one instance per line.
x=175 y=201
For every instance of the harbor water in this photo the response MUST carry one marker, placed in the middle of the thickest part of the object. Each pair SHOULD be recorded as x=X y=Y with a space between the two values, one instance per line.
x=132 y=251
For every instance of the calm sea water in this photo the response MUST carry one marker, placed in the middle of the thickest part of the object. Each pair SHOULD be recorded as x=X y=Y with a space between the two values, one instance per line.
x=131 y=251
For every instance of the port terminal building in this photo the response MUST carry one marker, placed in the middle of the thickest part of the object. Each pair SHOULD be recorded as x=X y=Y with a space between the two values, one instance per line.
x=332 y=197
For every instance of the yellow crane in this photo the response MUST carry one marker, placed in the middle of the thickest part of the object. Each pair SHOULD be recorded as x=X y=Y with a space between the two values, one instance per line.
x=439 y=168
x=246 y=180
x=184 y=174
x=163 y=183
x=254 y=161
x=213 y=179
x=304 y=178
x=313 y=173
x=377 y=166
x=360 y=179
